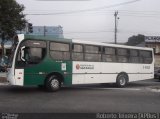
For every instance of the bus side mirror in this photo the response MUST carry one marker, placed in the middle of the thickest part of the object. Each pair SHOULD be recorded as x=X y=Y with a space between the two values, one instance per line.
x=22 y=53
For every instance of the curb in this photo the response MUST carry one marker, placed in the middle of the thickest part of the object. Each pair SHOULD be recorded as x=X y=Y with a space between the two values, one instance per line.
x=3 y=80
x=4 y=84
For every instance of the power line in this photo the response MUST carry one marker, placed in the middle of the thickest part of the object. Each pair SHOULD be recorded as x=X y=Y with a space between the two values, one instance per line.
x=111 y=31
x=102 y=10
x=82 y=32
x=87 y=10
x=144 y=16
x=120 y=13
x=136 y=31
x=108 y=11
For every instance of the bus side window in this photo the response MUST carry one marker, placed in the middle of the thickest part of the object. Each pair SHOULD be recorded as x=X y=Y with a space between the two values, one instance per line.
x=122 y=55
x=109 y=54
x=92 y=53
x=77 y=52
x=59 y=51
x=133 y=56
x=145 y=57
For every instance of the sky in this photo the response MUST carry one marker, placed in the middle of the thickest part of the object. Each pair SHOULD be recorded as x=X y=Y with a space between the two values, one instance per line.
x=93 y=20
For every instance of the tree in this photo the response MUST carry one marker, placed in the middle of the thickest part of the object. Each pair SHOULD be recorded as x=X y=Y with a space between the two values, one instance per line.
x=11 y=20
x=135 y=40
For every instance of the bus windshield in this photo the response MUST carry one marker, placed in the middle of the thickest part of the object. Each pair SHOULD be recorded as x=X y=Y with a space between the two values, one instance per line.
x=30 y=53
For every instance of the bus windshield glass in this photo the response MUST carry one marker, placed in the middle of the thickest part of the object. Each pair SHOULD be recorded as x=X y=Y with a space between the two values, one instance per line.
x=30 y=53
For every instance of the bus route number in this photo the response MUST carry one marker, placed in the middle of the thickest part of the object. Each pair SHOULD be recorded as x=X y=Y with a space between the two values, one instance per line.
x=146 y=67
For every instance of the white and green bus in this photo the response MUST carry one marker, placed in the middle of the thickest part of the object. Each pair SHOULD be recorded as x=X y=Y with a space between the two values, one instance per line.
x=52 y=62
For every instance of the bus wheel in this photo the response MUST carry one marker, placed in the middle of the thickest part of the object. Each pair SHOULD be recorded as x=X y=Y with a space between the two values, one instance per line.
x=122 y=80
x=53 y=83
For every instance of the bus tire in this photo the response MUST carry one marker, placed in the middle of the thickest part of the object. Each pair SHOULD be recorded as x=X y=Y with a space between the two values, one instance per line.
x=122 y=80
x=53 y=83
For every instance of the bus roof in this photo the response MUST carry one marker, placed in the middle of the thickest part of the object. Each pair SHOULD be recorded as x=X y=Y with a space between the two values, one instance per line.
x=41 y=37
x=51 y=38
x=110 y=45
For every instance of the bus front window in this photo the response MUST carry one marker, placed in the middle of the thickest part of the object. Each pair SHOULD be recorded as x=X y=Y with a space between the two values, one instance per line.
x=29 y=54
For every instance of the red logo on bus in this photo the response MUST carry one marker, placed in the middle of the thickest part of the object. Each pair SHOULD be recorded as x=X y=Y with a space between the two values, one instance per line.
x=77 y=66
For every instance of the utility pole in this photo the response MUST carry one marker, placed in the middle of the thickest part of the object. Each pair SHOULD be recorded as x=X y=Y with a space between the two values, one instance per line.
x=115 y=31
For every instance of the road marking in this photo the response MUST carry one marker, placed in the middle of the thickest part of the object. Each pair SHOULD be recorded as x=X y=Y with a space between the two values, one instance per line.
x=155 y=90
x=123 y=89
x=99 y=88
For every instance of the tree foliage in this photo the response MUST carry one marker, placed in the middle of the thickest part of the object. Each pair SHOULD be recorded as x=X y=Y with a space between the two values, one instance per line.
x=135 y=40
x=11 y=19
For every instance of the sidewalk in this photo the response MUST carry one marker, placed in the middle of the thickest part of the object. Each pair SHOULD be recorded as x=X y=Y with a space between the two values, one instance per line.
x=3 y=80
x=3 y=77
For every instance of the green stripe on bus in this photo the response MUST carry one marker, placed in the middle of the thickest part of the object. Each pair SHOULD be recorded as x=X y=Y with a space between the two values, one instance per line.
x=36 y=74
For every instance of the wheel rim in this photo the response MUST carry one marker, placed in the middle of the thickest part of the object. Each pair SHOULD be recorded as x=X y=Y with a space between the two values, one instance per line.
x=55 y=83
x=122 y=80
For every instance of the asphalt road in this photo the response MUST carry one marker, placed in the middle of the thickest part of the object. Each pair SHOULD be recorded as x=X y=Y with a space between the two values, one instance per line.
x=141 y=96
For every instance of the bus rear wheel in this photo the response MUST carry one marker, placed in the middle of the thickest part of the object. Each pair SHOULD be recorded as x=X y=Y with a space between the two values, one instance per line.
x=53 y=83
x=122 y=80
